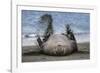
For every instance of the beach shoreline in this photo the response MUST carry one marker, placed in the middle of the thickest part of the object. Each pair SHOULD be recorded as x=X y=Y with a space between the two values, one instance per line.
x=33 y=54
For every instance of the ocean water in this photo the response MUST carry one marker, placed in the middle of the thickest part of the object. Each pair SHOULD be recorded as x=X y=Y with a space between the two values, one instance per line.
x=32 y=39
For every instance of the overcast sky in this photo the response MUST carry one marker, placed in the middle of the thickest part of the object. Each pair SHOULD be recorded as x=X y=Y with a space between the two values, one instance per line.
x=80 y=22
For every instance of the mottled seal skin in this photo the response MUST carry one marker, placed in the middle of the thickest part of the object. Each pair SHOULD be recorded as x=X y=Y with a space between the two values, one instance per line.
x=59 y=45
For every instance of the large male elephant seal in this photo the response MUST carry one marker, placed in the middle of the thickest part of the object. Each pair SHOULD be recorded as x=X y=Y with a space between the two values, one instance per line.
x=58 y=44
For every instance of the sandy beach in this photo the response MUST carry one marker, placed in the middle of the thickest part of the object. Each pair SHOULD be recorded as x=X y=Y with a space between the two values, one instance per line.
x=33 y=54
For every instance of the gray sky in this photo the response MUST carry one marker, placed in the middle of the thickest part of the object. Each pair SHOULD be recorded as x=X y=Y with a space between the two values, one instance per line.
x=80 y=22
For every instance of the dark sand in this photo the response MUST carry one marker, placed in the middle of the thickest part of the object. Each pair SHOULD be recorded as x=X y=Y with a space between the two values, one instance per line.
x=32 y=54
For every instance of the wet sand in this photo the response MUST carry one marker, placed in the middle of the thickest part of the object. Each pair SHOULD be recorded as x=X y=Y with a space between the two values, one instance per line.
x=33 y=54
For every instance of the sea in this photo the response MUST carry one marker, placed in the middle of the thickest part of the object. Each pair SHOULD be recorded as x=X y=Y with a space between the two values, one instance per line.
x=31 y=39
